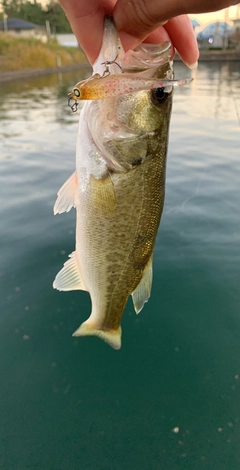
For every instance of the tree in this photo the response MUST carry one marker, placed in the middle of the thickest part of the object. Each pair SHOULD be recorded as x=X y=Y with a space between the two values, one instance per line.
x=25 y=10
x=57 y=18
x=34 y=12
x=11 y=7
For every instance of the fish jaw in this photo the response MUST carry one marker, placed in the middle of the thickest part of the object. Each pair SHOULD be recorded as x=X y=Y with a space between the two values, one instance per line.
x=138 y=67
x=111 y=52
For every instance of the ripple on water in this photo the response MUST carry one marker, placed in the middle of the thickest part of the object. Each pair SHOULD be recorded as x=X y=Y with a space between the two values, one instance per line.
x=170 y=398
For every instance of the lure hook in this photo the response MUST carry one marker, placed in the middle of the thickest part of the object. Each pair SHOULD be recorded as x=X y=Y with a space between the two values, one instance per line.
x=107 y=63
x=74 y=105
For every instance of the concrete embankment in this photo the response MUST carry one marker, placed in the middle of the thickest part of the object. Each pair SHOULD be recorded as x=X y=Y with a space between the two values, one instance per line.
x=205 y=56
x=217 y=56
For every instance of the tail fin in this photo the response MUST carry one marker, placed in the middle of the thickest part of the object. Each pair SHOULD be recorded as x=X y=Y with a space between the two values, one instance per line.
x=112 y=337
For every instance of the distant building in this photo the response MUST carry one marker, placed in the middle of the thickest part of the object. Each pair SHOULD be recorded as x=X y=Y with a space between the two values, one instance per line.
x=67 y=40
x=235 y=39
x=196 y=25
x=22 y=28
x=215 y=35
x=236 y=25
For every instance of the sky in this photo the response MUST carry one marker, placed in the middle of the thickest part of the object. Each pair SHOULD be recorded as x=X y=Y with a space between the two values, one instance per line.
x=222 y=15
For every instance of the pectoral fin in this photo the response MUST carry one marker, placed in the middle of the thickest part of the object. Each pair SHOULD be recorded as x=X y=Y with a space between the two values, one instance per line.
x=69 y=278
x=113 y=337
x=143 y=291
x=103 y=195
x=66 y=195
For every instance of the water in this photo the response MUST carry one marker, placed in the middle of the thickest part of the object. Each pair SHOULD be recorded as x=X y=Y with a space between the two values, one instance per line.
x=170 y=398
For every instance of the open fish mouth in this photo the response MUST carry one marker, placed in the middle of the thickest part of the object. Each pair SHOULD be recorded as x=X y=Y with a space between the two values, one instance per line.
x=126 y=73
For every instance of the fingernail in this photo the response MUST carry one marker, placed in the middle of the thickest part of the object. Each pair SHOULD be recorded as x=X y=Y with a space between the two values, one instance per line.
x=192 y=66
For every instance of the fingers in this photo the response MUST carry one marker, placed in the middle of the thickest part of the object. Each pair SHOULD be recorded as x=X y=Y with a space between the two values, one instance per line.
x=134 y=24
x=138 y=18
x=182 y=36
x=178 y=31
x=86 y=19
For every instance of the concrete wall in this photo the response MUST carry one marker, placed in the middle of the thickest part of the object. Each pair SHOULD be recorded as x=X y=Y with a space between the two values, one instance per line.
x=29 y=33
x=66 y=40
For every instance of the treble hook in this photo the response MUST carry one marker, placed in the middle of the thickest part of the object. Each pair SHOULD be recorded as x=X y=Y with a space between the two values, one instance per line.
x=110 y=62
x=73 y=106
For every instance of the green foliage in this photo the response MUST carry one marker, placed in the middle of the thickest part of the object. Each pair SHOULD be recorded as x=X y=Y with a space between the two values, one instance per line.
x=34 y=12
x=57 y=18
x=29 y=53
x=4 y=44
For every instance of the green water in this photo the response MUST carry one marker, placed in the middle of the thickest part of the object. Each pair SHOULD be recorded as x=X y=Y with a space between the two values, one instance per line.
x=170 y=398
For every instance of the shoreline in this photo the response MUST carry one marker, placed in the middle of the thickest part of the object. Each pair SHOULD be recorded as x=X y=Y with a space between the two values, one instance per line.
x=216 y=56
x=205 y=56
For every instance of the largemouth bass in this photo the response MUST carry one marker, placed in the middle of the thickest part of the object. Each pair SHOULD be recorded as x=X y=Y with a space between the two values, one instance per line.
x=118 y=186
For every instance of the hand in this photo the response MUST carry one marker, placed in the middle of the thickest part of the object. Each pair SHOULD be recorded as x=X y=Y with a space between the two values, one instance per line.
x=136 y=20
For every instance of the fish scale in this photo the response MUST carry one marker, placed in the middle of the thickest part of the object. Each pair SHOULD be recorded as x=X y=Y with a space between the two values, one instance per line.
x=118 y=192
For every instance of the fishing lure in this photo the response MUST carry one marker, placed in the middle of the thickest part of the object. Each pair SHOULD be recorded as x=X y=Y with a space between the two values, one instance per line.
x=106 y=86
x=100 y=87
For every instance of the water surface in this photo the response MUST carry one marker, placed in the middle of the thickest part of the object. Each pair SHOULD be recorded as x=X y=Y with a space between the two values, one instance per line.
x=170 y=398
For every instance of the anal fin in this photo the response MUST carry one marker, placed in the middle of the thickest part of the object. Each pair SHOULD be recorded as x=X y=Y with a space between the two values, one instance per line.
x=143 y=291
x=69 y=278
x=66 y=195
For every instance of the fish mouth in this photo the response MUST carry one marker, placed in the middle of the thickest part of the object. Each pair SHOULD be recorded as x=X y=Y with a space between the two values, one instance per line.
x=146 y=56
x=72 y=103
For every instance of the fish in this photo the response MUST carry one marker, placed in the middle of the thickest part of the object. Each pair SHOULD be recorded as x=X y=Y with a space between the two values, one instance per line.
x=118 y=187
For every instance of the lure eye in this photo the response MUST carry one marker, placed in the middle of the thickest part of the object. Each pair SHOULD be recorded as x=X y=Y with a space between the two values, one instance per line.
x=159 y=96
x=76 y=92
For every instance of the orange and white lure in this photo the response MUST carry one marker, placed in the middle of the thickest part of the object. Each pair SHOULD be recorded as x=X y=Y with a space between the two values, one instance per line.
x=100 y=87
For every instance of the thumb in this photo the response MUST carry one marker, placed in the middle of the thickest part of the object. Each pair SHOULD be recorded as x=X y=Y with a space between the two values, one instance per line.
x=136 y=19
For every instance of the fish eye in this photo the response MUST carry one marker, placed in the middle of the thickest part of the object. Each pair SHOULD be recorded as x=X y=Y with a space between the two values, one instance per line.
x=159 y=96
x=76 y=92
